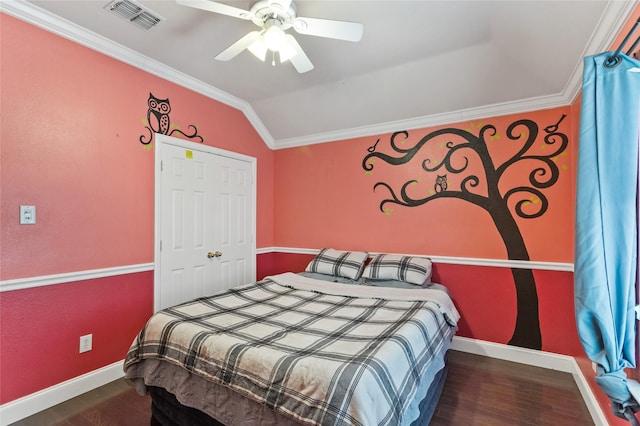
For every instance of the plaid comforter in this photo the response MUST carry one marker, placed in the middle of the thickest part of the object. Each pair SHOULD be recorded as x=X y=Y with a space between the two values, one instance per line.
x=322 y=353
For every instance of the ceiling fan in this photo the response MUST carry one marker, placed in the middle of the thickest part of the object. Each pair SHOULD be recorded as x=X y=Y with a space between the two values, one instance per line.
x=274 y=17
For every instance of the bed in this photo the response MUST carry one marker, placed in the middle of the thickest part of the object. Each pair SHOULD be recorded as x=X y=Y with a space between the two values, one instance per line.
x=339 y=344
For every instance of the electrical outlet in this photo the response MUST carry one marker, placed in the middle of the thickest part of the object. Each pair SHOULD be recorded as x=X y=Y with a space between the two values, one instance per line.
x=86 y=343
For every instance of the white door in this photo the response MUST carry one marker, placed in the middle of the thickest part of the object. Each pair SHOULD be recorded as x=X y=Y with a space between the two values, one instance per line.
x=205 y=221
x=232 y=223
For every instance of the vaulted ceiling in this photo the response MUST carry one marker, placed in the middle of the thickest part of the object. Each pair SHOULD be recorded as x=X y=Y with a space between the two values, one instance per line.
x=419 y=63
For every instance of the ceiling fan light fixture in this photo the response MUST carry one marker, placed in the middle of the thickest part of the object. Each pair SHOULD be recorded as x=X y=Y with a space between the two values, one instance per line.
x=259 y=49
x=274 y=38
x=287 y=52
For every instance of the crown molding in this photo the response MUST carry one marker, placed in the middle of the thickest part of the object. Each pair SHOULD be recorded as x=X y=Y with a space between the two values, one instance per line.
x=494 y=110
x=609 y=26
x=41 y=18
x=614 y=17
x=612 y=20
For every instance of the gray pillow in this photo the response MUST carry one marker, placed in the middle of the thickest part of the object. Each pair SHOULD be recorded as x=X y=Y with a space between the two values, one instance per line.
x=348 y=264
x=409 y=269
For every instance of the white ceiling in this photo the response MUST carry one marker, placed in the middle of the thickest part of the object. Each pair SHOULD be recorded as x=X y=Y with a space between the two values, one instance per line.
x=419 y=63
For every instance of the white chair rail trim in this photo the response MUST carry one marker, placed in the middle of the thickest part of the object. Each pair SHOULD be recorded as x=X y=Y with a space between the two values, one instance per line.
x=43 y=280
x=472 y=261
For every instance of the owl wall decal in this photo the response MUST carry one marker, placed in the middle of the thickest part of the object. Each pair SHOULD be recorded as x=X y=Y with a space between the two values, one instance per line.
x=441 y=183
x=158 y=121
x=158 y=114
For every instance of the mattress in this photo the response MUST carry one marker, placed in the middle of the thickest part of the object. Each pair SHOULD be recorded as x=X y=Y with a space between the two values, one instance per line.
x=293 y=350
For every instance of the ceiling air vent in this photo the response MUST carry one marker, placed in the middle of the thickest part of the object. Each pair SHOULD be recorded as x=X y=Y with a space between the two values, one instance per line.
x=134 y=13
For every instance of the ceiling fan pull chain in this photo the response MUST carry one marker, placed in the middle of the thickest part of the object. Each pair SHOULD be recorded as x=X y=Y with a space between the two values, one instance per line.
x=273 y=58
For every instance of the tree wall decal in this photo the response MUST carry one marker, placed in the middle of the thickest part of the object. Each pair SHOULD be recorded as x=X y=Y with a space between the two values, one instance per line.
x=487 y=191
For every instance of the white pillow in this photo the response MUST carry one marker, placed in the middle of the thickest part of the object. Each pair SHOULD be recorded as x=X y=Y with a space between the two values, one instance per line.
x=347 y=264
x=413 y=270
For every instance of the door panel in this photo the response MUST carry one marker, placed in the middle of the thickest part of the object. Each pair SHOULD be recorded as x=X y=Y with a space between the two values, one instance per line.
x=205 y=205
x=186 y=179
x=234 y=223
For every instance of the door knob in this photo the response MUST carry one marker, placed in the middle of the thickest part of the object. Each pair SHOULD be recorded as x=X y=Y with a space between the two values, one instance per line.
x=212 y=254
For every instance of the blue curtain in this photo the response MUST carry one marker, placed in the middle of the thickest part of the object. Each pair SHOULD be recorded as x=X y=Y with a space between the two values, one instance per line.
x=606 y=249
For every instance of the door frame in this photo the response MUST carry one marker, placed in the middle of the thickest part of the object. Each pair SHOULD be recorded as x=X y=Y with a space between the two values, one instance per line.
x=160 y=141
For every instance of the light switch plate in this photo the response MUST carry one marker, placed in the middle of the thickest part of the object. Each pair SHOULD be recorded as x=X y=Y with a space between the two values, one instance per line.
x=27 y=215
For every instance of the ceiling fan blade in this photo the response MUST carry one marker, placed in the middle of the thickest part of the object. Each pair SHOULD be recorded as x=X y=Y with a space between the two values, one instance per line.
x=341 y=30
x=237 y=47
x=259 y=49
x=296 y=56
x=216 y=7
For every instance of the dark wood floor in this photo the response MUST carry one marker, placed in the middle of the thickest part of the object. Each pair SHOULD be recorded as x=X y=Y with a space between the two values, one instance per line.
x=478 y=391
x=487 y=391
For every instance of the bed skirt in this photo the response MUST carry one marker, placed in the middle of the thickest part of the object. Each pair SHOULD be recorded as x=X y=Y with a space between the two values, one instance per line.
x=166 y=410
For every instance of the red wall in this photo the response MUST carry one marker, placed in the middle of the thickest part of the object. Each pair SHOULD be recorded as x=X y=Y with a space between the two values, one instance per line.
x=41 y=328
x=324 y=197
x=71 y=123
x=72 y=119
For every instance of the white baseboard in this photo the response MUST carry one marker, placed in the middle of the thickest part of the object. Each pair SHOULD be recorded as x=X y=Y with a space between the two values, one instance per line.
x=514 y=353
x=31 y=404
x=39 y=401
x=536 y=358
x=589 y=398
